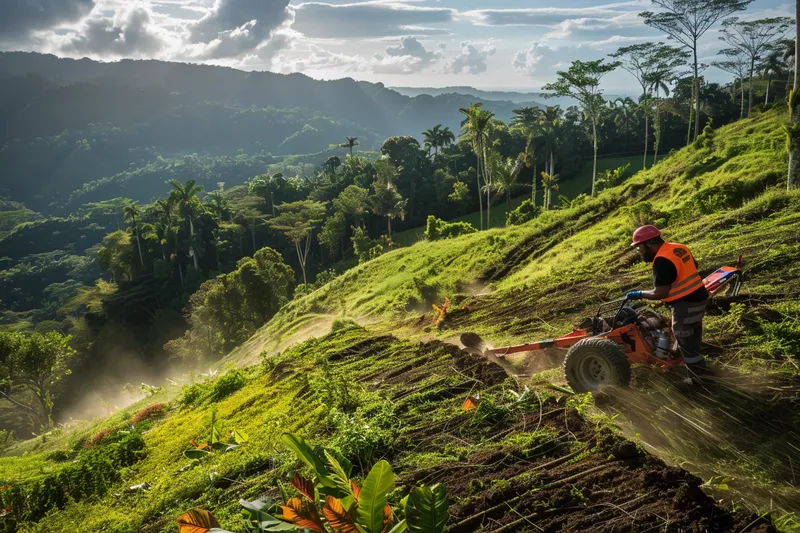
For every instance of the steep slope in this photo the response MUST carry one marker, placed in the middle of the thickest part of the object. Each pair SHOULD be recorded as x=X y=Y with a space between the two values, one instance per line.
x=544 y=461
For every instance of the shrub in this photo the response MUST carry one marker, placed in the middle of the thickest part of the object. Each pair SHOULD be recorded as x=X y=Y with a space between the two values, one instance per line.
x=522 y=214
x=100 y=436
x=341 y=324
x=437 y=228
x=191 y=394
x=228 y=384
x=149 y=412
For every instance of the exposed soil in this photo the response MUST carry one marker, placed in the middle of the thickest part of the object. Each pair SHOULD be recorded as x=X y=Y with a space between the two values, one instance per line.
x=568 y=476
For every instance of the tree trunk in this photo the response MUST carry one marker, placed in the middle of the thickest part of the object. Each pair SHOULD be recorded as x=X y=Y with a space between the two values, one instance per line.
x=769 y=82
x=191 y=248
x=646 y=140
x=696 y=89
x=478 y=178
x=689 y=130
x=139 y=245
x=272 y=203
x=594 y=159
x=254 y=235
x=389 y=218
x=302 y=261
x=741 y=111
x=794 y=104
x=750 y=89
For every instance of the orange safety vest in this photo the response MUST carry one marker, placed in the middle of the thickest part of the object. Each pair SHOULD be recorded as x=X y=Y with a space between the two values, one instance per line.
x=688 y=279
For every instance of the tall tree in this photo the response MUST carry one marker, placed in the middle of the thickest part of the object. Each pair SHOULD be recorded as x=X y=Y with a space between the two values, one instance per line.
x=476 y=129
x=268 y=187
x=386 y=201
x=754 y=38
x=650 y=64
x=736 y=63
x=185 y=196
x=431 y=139
x=686 y=21
x=31 y=367
x=530 y=120
x=296 y=221
x=351 y=143
x=132 y=215
x=793 y=129
x=582 y=82
x=506 y=172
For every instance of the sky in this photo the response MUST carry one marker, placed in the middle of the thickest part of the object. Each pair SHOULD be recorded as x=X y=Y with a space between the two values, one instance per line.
x=487 y=44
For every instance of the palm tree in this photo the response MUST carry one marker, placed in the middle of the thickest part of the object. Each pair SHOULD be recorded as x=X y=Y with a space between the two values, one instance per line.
x=431 y=138
x=531 y=121
x=446 y=138
x=186 y=198
x=132 y=213
x=550 y=185
x=506 y=174
x=552 y=132
x=351 y=143
x=477 y=127
x=625 y=116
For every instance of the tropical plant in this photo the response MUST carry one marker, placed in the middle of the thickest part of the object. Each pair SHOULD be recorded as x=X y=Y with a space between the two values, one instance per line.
x=351 y=143
x=31 y=368
x=297 y=221
x=185 y=196
x=385 y=200
x=686 y=21
x=267 y=187
x=476 y=132
x=582 y=82
x=550 y=185
x=332 y=502
x=771 y=66
x=752 y=38
x=436 y=138
x=736 y=63
x=132 y=214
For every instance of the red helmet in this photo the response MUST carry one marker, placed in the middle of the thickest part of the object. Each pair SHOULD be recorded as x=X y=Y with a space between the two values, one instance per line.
x=644 y=234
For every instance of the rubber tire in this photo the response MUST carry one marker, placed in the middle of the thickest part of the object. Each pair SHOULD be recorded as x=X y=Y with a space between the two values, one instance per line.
x=609 y=359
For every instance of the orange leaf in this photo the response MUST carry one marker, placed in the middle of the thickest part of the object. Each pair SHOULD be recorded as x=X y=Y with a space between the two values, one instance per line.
x=471 y=403
x=196 y=521
x=302 y=516
x=337 y=517
x=356 y=489
x=305 y=486
x=387 y=517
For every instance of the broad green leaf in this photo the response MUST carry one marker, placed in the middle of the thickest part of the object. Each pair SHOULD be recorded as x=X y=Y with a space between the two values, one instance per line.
x=400 y=527
x=256 y=505
x=372 y=499
x=214 y=434
x=338 y=475
x=427 y=509
x=306 y=453
x=196 y=454
x=239 y=436
x=346 y=465
x=280 y=526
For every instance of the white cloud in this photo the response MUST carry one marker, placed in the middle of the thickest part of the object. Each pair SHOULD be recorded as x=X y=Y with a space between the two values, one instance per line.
x=408 y=57
x=369 y=19
x=18 y=18
x=471 y=60
x=234 y=27
x=129 y=33
x=527 y=61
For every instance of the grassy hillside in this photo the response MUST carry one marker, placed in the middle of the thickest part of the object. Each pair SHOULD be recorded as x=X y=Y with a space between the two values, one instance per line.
x=391 y=388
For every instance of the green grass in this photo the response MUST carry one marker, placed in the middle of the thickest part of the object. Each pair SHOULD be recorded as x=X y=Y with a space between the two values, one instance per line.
x=10 y=219
x=507 y=284
x=582 y=182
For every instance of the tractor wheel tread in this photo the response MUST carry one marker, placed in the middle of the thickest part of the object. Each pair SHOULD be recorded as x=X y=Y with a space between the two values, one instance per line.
x=618 y=363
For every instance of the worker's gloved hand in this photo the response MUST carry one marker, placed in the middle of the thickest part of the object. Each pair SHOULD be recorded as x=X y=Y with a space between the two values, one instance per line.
x=634 y=295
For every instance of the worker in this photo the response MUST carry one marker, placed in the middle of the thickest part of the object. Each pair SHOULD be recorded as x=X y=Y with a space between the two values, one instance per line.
x=679 y=285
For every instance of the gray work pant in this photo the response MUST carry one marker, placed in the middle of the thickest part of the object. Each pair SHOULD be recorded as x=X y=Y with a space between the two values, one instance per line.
x=687 y=326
